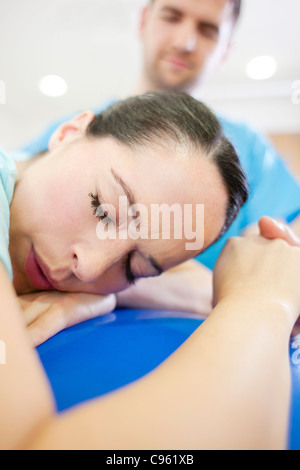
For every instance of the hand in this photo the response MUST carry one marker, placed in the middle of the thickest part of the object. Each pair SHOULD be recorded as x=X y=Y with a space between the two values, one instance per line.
x=260 y=270
x=271 y=229
x=47 y=313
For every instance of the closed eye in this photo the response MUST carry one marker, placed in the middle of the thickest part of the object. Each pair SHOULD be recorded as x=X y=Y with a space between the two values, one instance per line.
x=97 y=209
x=131 y=279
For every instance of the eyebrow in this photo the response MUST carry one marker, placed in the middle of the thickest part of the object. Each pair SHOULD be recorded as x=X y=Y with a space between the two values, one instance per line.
x=167 y=9
x=175 y=11
x=130 y=196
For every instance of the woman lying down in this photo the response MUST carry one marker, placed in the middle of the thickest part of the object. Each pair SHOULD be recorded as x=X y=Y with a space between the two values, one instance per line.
x=149 y=150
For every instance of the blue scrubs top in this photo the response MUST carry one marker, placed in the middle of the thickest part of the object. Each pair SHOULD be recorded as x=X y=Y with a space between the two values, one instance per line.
x=7 y=183
x=274 y=191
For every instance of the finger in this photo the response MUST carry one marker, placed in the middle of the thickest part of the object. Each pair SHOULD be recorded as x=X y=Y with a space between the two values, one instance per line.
x=31 y=309
x=271 y=229
x=46 y=326
x=56 y=318
x=92 y=306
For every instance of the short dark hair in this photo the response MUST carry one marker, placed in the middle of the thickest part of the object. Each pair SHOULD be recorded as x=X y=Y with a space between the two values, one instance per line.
x=176 y=118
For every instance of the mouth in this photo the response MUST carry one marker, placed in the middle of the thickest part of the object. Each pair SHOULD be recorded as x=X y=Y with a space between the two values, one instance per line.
x=37 y=272
x=178 y=63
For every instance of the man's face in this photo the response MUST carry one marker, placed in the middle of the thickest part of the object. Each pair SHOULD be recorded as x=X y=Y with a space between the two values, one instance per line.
x=53 y=220
x=184 y=41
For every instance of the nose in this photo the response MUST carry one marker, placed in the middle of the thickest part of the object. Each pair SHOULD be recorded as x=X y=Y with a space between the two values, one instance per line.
x=186 y=38
x=89 y=264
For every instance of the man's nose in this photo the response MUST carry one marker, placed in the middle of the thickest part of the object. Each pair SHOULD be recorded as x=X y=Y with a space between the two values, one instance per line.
x=186 y=38
x=89 y=265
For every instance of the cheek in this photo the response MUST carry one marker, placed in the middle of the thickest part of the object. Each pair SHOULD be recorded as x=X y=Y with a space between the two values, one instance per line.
x=157 y=41
x=58 y=206
x=111 y=282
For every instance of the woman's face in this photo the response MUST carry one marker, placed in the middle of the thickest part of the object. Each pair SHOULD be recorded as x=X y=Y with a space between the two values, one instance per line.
x=53 y=235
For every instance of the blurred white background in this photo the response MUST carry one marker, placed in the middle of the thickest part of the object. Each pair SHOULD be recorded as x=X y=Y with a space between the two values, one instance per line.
x=94 y=46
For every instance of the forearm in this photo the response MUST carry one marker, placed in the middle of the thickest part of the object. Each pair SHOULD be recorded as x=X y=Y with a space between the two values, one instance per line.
x=25 y=399
x=187 y=288
x=227 y=387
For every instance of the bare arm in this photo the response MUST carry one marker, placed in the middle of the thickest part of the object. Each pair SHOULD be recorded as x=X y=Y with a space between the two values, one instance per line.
x=227 y=387
x=186 y=288
x=25 y=398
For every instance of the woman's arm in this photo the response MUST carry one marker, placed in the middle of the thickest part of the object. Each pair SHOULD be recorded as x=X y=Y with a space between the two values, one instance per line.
x=186 y=288
x=227 y=387
x=25 y=397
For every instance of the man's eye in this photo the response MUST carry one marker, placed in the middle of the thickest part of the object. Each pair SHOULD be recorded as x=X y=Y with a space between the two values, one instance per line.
x=209 y=32
x=171 y=19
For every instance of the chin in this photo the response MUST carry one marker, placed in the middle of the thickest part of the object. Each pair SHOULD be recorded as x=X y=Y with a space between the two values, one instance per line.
x=175 y=84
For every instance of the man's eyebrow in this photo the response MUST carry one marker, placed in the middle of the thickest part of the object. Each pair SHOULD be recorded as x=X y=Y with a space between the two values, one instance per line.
x=125 y=187
x=173 y=10
x=203 y=23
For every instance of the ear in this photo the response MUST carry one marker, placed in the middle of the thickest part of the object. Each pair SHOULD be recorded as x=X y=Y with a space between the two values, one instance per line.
x=72 y=130
x=143 y=21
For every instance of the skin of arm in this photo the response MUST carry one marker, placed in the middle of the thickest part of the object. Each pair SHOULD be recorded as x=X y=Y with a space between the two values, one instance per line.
x=26 y=400
x=227 y=387
x=186 y=288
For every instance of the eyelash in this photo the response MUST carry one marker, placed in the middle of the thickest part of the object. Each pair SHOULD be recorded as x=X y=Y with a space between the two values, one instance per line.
x=95 y=204
x=128 y=273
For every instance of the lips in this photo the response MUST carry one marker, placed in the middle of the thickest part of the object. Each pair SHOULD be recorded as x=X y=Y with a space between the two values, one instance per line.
x=37 y=272
x=178 y=63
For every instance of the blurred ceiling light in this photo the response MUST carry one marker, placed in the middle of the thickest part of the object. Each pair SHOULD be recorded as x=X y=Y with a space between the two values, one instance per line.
x=53 y=85
x=262 y=68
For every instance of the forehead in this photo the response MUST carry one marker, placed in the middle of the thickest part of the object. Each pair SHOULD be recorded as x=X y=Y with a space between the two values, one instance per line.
x=200 y=9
